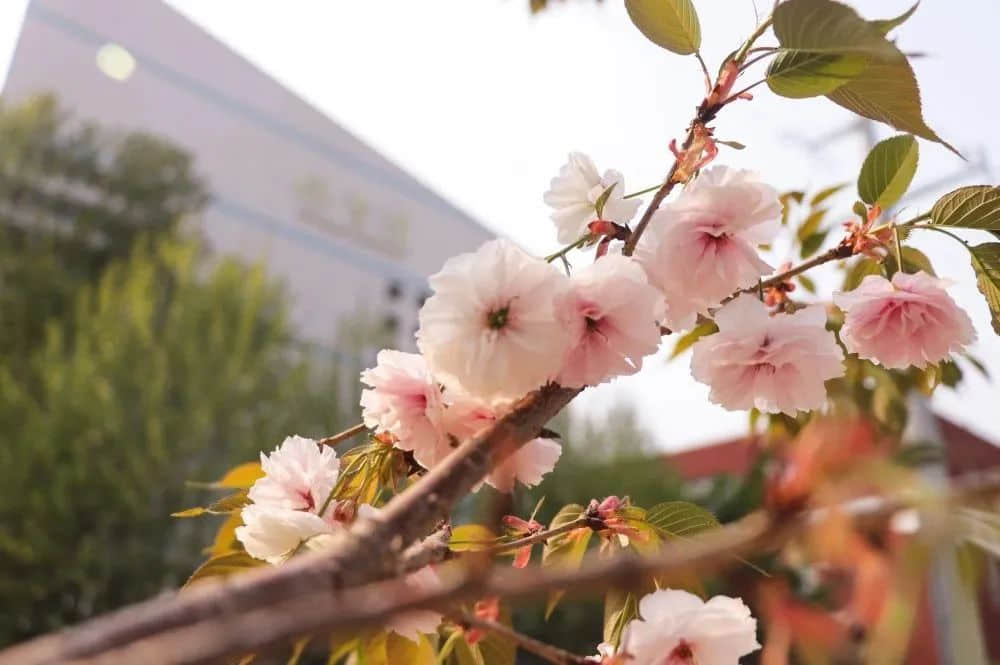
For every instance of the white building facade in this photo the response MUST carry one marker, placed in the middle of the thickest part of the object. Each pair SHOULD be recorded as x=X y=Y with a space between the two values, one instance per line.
x=350 y=234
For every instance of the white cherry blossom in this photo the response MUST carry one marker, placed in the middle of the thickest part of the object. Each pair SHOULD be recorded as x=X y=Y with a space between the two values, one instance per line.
x=575 y=191
x=490 y=326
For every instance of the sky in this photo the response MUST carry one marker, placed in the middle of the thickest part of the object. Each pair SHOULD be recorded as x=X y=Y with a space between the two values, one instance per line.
x=482 y=101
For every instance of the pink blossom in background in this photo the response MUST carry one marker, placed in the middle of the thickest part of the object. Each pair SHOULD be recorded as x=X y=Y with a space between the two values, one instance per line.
x=775 y=364
x=679 y=628
x=702 y=247
x=910 y=321
x=413 y=623
x=573 y=193
x=298 y=475
x=527 y=465
x=611 y=315
x=490 y=327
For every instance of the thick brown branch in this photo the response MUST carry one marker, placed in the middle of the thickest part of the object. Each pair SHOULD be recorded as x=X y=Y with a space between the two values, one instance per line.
x=312 y=610
x=432 y=549
x=370 y=551
x=544 y=651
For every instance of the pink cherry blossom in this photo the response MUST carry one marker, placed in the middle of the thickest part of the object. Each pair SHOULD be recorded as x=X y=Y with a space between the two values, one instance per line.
x=611 y=313
x=299 y=475
x=679 y=628
x=490 y=327
x=908 y=321
x=776 y=364
x=702 y=247
x=404 y=400
x=527 y=465
x=413 y=623
x=573 y=193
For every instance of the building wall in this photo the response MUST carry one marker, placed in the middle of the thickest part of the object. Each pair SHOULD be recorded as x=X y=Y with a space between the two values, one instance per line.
x=347 y=230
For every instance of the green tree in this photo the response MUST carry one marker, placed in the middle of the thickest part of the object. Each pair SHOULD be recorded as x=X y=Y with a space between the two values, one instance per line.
x=164 y=372
x=74 y=197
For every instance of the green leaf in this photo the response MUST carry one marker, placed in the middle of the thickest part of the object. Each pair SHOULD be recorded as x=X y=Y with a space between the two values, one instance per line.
x=812 y=244
x=801 y=74
x=687 y=340
x=885 y=25
x=807 y=283
x=190 y=512
x=824 y=194
x=672 y=24
x=888 y=170
x=811 y=224
x=680 y=518
x=887 y=92
x=824 y=45
x=471 y=538
x=913 y=261
x=602 y=200
x=986 y=263
x=240 y=477
x=856 y=273
x=973 y=207
x=224 y=565
x=620 y=607
x=496 y=650
x=735 y=145
x=228 y=504
x=400 y=650
x=567 y=550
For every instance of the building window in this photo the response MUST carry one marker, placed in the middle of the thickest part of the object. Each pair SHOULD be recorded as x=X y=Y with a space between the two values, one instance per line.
x=115 y=62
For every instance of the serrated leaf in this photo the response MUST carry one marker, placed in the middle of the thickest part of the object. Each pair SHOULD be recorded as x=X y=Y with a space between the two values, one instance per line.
x=887 y=92
x=687 y=340
x=812 y=244
x=885 y=25
x=680 y=518
x=973 y=207
x=223 y=566
x=471 y=538
x=986 y=263
x=824 y=45
x=802 y=74
x=672 y=24
x=888 y=171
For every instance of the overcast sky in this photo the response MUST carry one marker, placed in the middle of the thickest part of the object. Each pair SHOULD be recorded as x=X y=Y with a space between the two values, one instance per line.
x=482 y=101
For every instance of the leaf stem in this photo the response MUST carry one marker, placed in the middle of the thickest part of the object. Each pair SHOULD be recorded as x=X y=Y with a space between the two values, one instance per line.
x=348 y=433
x=551 y=653
x=932 y=227
x=898 y=247
x=568 y=248
x=642 y=191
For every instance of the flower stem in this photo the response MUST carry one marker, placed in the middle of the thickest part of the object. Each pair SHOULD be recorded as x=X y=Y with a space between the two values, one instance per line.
x=348 y=433
x=540 y=537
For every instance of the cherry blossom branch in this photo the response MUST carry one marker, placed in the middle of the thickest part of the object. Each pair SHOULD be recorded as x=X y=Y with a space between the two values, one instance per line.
x=240 y=629
x=841 y=251
x=552 y=654
x=542 y=536
x=348 y=433
x=432 y=549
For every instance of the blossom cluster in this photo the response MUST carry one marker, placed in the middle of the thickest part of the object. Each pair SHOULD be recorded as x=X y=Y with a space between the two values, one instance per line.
x=292 y=507
x=501 y=323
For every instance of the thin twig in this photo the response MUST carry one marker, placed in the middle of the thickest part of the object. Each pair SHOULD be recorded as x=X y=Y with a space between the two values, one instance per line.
x=545 y=651
x=704 y=69
x=348 y=433
x=841 y=251
x=540 y=537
